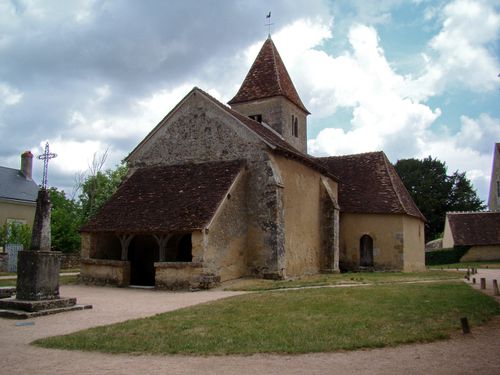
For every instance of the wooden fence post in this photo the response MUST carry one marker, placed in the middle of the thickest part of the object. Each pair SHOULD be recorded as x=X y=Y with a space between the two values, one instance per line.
x=496 y=292
x=465 y=325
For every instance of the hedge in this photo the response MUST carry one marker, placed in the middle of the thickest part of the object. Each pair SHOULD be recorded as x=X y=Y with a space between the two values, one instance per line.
x=445 y=256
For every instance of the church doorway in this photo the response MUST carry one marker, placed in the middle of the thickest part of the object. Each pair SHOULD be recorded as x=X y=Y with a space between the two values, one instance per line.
x=143 y=253
x=366 y=251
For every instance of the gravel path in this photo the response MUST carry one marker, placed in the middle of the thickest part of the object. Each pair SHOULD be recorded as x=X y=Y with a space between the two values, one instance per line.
x=477 y=353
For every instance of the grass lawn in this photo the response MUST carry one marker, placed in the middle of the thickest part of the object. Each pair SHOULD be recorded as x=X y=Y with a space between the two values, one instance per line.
x=487 y=264
x=342 y=278
x=63 y=280
x=296 y=321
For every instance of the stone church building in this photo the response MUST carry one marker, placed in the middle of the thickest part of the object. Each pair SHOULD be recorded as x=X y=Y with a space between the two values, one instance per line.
x=218 y=192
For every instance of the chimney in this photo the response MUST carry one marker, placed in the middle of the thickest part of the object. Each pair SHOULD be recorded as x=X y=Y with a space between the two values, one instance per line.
x=27 y=165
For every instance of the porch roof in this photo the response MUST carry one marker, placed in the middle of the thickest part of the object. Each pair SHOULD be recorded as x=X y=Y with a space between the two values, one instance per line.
x=163 y=199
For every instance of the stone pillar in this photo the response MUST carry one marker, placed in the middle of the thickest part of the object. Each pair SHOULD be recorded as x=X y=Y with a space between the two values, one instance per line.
x=38 y=275
x=38 y=268
x=40 y=237
x=336 y=240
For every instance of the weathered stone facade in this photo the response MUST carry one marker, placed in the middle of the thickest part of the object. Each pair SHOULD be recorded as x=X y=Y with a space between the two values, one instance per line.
x=494 y=196
x=277 y=215
x=398 y=241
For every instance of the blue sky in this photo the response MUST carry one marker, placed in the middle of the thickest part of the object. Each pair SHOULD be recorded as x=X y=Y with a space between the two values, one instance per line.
x=410 y=77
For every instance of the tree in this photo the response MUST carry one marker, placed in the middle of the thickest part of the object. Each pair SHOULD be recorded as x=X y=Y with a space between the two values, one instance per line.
x=15 y=233
x=98 y=188
x=436 y=193
x=66 y=219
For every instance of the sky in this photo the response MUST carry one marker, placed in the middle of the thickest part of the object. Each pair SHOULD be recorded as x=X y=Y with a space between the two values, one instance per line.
x=413 y=78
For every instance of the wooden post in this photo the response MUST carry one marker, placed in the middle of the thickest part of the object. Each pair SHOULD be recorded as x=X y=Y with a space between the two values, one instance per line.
x=125 y=241
x=162 y=241
x=483 y=283
x=465 y=325
x=496 y=292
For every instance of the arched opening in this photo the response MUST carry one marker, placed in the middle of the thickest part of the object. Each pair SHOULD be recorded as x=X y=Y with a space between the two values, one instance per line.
x=106 y=246
x=179 y=248
x=366 y=251
x=143 y=253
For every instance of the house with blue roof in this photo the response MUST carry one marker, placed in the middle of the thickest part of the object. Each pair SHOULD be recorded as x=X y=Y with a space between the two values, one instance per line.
x=18 y=193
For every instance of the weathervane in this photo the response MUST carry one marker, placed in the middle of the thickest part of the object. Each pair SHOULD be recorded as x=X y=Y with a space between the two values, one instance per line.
x=46 y=157
x=268 y=24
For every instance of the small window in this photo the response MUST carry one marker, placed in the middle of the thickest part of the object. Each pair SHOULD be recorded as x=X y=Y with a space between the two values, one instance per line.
x=295 y=126
x=257 y=118
x=498 y=188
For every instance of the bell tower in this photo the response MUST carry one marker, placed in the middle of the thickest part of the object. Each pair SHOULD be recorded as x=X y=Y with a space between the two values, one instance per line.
x=268 y=96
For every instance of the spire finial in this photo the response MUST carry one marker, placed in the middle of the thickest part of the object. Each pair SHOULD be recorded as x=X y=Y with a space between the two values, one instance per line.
x=268 y=24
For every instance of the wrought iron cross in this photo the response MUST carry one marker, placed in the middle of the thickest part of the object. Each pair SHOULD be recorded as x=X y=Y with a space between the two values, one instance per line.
x=46 y=156
x=268 y=24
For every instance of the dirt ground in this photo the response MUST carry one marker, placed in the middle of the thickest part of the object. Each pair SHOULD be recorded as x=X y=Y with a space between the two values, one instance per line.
x=477 y=353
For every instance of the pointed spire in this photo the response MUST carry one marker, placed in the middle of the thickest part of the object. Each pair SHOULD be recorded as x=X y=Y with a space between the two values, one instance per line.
x=266 y=78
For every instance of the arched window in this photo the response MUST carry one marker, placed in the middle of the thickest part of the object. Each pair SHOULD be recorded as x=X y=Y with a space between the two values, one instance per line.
x=366 y=251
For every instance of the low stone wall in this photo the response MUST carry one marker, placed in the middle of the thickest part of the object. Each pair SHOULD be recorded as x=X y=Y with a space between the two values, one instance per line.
x=183 y=275
x=70 y=261
x=105 y=272
x=67 y=261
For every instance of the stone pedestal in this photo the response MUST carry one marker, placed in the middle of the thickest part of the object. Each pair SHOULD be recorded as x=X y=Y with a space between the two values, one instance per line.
x=38 y=275
x=37 y=291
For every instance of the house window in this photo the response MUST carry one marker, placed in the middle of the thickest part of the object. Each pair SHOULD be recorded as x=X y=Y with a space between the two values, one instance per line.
x=257 y=118
x=295 y=126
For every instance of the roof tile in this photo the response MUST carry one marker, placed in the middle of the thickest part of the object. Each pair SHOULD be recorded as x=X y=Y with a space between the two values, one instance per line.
x=475 y=228
x=370 y=184
x=266 y=78
x=176 y=198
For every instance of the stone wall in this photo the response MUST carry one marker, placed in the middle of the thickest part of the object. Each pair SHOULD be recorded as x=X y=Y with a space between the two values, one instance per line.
x=105 y=272
x=70 y=261
x=277 y=113
x=226 y=238
x=67 y=261
x=494 y=195
x=306 y=248
x=387 y=232
x=414 y=244
x=200 y=131
x=178 y=275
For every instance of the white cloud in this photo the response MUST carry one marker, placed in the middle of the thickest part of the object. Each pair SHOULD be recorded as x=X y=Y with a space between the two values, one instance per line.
x=9 y=95
x=385 y=115
x=470 y=150
x=461 y=50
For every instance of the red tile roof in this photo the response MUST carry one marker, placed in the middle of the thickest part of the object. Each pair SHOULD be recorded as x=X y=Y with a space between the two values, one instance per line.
x=176 y=198
x=266 y=78
x=475 y=228
x=370 y=184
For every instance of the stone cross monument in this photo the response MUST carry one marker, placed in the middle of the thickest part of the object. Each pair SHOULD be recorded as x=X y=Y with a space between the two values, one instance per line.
x=37 y=290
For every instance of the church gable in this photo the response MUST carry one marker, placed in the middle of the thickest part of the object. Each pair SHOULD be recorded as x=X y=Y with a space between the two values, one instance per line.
x=197 y=130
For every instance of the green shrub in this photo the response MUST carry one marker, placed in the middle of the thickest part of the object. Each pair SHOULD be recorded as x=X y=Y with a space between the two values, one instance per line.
x=445 y=256
x=15 y=233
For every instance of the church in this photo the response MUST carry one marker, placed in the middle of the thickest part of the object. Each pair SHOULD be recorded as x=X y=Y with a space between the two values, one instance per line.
x=217 y=192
